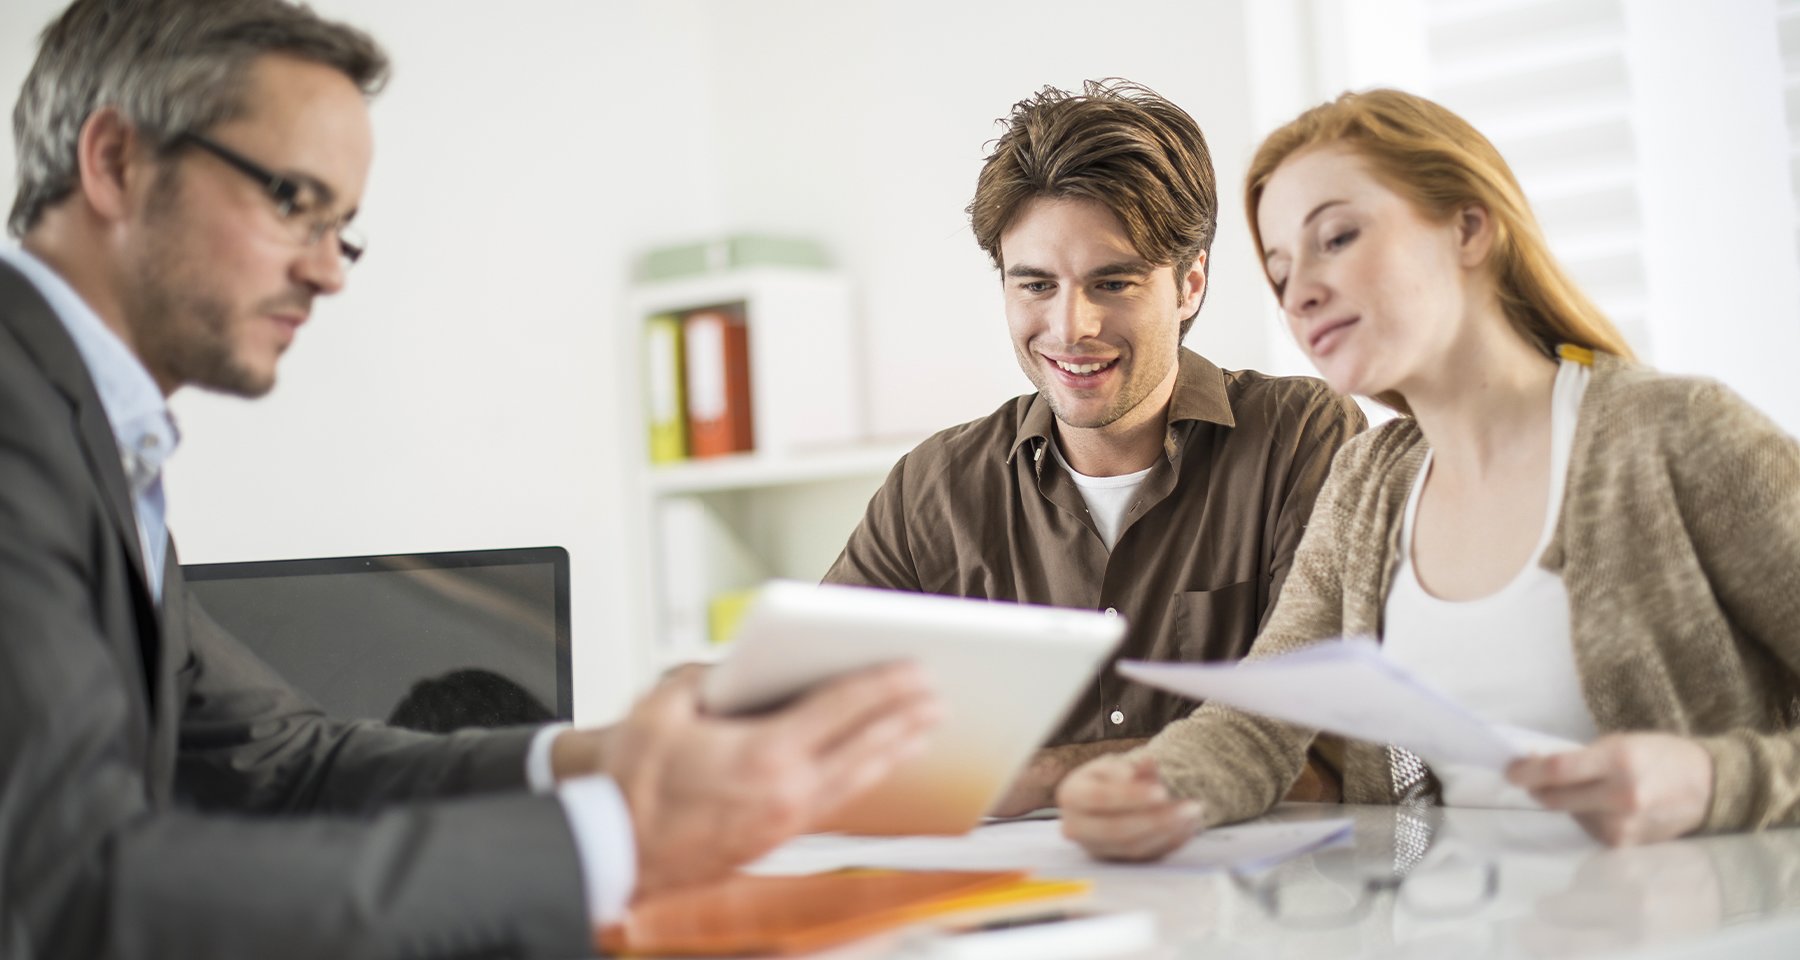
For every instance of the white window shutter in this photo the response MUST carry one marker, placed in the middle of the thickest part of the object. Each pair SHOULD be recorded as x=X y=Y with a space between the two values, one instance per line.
x=1549 y=83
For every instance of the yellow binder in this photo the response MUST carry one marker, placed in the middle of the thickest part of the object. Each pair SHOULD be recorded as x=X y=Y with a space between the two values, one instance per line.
x=666 y=399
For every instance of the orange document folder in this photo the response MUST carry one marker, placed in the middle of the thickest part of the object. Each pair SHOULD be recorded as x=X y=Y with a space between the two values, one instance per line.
x=777 y=916
x=717 y=345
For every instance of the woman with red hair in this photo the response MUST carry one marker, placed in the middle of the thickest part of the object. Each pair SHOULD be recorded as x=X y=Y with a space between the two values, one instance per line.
x=1560 y=538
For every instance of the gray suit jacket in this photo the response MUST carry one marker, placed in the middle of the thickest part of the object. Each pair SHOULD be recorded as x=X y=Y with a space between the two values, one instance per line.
x=164 y=794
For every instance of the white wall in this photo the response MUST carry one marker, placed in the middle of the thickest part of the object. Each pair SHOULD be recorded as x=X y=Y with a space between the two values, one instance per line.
x=465 y=374
x=1720 y=257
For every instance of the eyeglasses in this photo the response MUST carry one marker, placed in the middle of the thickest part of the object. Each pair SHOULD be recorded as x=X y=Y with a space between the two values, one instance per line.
x=1336 y=886
x=291 y=202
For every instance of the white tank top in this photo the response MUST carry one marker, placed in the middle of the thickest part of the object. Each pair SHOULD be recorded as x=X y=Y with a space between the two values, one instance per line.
x=1506 y=656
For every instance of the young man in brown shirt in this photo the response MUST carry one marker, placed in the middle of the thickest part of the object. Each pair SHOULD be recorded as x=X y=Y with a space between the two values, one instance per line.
x=1139 y=479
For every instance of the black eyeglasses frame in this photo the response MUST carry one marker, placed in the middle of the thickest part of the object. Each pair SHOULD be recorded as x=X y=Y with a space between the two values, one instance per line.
x=284 y=191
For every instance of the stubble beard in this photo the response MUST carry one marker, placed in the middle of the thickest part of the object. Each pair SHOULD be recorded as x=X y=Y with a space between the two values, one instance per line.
x=187 y=336
x=1130 y=393
x=183 y=332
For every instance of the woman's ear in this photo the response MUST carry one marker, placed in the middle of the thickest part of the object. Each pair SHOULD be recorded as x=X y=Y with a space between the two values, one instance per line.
x=1475 y=230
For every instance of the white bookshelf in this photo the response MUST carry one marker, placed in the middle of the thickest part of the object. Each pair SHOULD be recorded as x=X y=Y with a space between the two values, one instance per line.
x=783 y=510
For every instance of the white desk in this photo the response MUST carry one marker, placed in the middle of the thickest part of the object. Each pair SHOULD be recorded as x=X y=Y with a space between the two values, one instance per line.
x=1559 y=895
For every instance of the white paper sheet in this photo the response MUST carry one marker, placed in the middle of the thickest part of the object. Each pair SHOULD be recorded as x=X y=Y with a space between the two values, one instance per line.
x=1347 y=687
x=1039 y=846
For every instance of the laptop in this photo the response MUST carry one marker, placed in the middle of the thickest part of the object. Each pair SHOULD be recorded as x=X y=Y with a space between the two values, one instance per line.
x=429 y=641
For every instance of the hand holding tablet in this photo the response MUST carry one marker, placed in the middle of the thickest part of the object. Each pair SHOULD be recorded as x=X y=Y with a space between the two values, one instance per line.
x=1003 y=672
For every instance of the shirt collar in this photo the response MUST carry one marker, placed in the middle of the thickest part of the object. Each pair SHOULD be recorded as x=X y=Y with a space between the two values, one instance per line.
x=1199 y=395
x=137 y=411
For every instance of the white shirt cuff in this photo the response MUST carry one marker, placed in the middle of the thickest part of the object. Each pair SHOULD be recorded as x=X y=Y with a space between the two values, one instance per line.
x=601 y=823
x=538 y=774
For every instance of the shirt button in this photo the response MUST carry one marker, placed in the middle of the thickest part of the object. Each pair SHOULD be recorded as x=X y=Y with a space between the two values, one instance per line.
x=1118 y=717
x=1112 y=612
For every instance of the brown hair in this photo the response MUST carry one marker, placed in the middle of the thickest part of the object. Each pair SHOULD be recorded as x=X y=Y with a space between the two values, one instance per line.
x=1118 y=143
x=1441 y=165
x=170 y=66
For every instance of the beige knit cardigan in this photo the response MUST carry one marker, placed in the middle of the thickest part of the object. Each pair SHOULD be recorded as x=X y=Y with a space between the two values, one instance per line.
x=1679 y=543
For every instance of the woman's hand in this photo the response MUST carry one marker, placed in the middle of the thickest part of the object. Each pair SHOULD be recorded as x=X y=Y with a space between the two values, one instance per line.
x=1625 y=788
x=1117 y=808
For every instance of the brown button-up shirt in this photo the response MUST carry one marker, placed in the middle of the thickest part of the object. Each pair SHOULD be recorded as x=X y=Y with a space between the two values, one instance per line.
x=984 y=510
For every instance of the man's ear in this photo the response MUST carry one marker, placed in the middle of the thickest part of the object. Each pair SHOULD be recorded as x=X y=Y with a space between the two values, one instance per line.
x=1475 y=231
x=1193 y=284
x=106 y=155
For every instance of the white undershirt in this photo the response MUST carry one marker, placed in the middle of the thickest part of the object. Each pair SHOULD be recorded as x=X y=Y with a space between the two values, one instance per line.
x=1507 y=656
x=1107 y=498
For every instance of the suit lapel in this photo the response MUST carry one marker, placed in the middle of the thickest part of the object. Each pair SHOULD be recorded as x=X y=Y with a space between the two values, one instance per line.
x=167 y=700
x=45 y=339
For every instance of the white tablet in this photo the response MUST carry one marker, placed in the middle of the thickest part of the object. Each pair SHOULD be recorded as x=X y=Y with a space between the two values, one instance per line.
x=1005 y=673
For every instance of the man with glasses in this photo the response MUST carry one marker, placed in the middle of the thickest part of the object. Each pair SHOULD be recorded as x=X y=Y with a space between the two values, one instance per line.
x=188 y=174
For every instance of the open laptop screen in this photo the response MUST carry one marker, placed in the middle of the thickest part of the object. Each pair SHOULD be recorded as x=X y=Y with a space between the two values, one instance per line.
x=433 y=641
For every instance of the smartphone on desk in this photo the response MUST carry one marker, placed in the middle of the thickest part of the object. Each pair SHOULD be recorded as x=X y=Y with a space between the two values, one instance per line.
x=1061 y=934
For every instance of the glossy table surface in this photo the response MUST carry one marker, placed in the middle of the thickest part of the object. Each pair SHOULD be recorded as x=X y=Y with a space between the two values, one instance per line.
x=1557 y=894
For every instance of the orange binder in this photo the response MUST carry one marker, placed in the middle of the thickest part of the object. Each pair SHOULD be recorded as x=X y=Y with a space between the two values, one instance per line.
x=717 y=345
x=778 y=916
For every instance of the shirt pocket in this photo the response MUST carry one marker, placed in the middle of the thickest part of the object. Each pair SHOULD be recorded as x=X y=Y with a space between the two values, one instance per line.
x=1210 y=625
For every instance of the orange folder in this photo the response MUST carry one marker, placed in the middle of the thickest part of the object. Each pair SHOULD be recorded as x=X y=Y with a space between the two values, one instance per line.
x=717 y=347
x=777 y=916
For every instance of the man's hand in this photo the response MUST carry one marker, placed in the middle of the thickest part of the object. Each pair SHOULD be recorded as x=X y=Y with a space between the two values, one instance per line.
x=1625 y=788
x=1036 y=785
x=1118 y=809
x=710 y=793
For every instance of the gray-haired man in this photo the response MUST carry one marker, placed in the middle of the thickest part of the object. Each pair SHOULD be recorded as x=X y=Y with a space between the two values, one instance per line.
x=189 y=170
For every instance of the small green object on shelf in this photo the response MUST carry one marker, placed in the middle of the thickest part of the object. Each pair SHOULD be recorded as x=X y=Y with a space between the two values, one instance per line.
x=725 y=613
x=734 y=252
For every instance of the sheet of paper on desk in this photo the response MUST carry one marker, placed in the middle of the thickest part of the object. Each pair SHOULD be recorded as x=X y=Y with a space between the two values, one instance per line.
x=1039 y=846
x=1347 y=687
